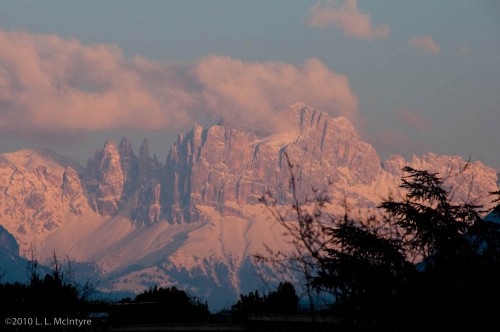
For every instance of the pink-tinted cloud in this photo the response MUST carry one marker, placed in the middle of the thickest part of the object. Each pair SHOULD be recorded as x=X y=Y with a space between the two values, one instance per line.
x=425 y=44
x=346 y=17
x=414 y=119
x=248 y=92
x=55 y=84
x=49 y=84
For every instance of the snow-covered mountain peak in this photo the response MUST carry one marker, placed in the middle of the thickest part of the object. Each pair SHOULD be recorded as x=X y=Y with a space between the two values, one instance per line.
x=38 y=191
x=34 y=158
x=466 y=181
x=195 y=220
x=309 y=118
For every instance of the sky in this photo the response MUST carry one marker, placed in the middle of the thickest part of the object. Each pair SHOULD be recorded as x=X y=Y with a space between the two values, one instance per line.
x=413 y=76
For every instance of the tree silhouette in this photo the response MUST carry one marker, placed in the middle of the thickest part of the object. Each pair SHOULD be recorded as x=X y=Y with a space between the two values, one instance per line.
x=42 y=299
x=247 y=304
x=283 y=300
x=428 y=263
x=455 y=251
x=361 y=265
x=160 y=305
x=430 y=226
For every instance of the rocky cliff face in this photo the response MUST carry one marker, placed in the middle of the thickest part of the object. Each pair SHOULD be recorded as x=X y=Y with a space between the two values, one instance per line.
x=198 y=217
x=328 y=143
x=72 y=191
x=106 y=179
x=210 y=167
x=218 y=167
x=130 y=165
x=227 y=168
x=37 y=191
x=467 y=182
x=146 y=208
x=330 y=155
x=120 y=182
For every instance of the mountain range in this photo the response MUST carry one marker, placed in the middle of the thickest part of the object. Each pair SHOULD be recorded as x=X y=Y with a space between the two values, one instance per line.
x=196 y=220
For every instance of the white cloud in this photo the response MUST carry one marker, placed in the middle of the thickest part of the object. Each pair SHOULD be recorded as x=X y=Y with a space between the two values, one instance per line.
x=346 y=17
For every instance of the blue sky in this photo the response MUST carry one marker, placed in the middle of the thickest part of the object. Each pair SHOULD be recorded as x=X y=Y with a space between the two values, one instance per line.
x=424 y=75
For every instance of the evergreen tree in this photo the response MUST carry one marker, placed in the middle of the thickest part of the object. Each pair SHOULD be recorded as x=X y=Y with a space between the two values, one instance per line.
x=429 y=263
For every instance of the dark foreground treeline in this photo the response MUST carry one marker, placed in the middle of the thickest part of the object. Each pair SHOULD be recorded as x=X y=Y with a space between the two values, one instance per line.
x=54 y=303
x=428 y=265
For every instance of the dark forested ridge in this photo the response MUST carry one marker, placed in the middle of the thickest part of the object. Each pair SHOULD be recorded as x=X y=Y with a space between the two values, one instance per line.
x=428 y=264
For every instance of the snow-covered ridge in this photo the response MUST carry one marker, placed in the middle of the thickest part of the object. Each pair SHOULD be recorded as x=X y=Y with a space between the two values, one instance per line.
x=196 y=220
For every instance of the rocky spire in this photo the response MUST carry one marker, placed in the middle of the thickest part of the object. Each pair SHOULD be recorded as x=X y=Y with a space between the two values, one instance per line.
x=130 y=165
x=72 y=190
x=111 y=178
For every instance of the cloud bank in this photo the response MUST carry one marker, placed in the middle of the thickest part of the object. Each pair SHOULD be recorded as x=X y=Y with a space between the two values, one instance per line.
x=347 y=18
x=49 y=84
x=425 y=44
x=248 y=92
